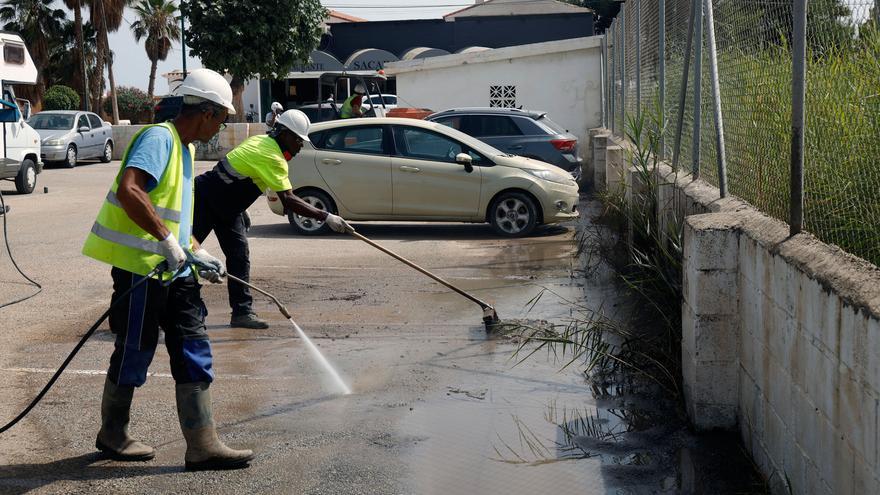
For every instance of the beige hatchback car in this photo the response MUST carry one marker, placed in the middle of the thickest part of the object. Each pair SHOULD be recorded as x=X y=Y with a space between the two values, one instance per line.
x=414 y=170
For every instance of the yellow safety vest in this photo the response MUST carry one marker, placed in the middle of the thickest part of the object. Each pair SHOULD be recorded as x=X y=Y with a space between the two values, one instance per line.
x=347 y=111
x=116 y=240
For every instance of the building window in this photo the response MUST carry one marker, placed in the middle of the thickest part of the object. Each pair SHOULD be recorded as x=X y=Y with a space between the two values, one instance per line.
x=502 y=96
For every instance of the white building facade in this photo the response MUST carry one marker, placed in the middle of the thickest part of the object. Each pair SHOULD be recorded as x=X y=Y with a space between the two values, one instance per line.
x=562 y=78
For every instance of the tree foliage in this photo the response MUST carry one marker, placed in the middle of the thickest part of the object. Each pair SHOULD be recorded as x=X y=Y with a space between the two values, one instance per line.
x=60 y=97
x=246 y=38
x=38 y=23
x=605 y=11
x=65 y=66
x=134 y=105
x=157 y=22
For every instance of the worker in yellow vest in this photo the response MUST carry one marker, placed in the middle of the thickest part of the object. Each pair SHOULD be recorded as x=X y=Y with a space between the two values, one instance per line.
x=352 y=107
x=222 y=194
x=145 y=220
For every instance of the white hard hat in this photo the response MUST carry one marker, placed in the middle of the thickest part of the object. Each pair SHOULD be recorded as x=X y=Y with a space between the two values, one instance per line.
x=208 y=85
x=359 y=89
x=276 y=106
x=296 y=121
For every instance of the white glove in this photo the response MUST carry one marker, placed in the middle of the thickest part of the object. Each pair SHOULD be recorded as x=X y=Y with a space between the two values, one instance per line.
x=173 y=253
x=338 y=224
x=204 y=259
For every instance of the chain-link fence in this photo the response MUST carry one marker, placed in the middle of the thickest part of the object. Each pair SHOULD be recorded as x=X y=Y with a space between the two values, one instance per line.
x=659 y=66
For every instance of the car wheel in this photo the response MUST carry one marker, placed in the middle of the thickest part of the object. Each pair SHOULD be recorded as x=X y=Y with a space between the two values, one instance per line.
x=26 y=180
x=513 y=214
x=70 y=157
x=309 y=226
x=108 y=153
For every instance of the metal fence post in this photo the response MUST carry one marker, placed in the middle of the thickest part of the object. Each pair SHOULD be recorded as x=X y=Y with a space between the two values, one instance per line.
x=623 y=70
x=682 y=96
x=698 y=86
x=602 y=71
x=612 y=86
x=638 y=31
x=798 y=95
x=720 y=150
x=661 y=50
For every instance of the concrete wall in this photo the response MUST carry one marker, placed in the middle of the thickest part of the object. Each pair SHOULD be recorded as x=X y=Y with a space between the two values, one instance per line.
x=215 y=149
x=780 y=339
x=560 y=77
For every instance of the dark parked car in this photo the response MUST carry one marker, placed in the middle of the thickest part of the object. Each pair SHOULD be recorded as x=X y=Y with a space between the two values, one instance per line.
x=167 y=109
x=519 y=132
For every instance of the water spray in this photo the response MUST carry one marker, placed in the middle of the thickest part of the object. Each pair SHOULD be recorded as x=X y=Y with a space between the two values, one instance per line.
x=316 y=353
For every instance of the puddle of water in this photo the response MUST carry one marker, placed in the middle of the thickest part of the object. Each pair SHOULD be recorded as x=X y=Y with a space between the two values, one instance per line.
x=620 y=434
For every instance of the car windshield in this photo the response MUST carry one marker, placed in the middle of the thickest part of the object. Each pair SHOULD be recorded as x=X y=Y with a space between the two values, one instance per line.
x=51 y=121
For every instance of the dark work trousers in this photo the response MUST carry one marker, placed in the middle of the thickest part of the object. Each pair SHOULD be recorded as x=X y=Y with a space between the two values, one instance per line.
x=178 y=310
x=220 y=201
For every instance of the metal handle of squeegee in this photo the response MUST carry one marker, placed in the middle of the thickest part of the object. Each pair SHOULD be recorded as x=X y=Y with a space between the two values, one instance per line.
x=420 y=269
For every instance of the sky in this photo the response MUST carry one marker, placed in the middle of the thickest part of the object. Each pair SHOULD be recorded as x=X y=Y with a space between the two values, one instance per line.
x=132 y=67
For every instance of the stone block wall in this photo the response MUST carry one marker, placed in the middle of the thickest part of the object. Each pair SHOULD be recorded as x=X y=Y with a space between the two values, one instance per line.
x=216 y=148
x=780 y=340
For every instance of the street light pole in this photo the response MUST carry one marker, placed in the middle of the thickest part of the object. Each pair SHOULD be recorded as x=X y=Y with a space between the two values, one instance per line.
x=183 y=38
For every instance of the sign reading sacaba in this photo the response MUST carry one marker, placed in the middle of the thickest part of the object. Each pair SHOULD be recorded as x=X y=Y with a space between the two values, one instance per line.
x=369 y=59
x=319 y=61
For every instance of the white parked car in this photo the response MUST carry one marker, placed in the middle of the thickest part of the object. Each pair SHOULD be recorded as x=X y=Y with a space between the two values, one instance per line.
x=414 y=170
x=389 y=101
x=68 y=136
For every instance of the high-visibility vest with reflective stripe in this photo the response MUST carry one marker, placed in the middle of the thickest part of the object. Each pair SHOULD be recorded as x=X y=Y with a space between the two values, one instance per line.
x=116 y=240
x=347 y=111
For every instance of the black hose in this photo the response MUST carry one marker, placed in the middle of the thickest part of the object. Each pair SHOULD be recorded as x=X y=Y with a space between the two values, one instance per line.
x=76 y=349
x=39 y=287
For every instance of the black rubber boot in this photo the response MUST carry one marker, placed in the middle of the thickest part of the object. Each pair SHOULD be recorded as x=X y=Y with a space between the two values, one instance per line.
x=249 y=320
x=204 y=450
x=113 y=439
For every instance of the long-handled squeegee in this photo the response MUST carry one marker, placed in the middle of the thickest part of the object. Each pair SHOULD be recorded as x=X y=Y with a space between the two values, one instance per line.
x=490 y=317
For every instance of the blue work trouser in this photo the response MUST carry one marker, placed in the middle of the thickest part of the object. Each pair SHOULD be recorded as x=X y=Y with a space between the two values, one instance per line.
x=178 y=310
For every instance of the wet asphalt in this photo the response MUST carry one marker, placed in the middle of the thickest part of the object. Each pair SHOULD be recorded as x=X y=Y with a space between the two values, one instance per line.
x=437 y=405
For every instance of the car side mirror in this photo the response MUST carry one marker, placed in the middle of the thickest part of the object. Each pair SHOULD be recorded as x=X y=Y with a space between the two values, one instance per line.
x=466 y=160
x=83 y=129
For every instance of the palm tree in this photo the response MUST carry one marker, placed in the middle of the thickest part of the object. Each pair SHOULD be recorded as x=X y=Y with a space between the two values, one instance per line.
x=157 y=21
x=68 y=70
x=79 y=75
x=106 y=16
x=37 y=22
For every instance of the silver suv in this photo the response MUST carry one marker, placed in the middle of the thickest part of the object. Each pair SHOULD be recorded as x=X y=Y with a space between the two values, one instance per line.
x=525 y=133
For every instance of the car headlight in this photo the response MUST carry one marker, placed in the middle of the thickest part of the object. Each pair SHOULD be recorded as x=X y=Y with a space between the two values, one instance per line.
x=53 y=142
x=551 y=176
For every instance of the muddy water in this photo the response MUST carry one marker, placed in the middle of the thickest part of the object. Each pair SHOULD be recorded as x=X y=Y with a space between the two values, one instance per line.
x=503 y=427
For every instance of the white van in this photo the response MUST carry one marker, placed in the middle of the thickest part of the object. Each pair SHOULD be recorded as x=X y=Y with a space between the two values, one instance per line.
x=20 y=143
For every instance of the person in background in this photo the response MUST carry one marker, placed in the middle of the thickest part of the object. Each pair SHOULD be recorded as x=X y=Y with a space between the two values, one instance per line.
x=352 y=107
x=274 y=112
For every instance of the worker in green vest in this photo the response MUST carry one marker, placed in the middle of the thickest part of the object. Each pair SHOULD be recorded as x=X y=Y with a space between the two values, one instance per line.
x=224 y=193
x=146 y=219
x=352 y=107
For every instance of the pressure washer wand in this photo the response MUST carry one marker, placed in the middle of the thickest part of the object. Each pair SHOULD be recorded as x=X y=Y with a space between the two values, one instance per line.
x=261 y=291
x=343 y=387
x=490 y=317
